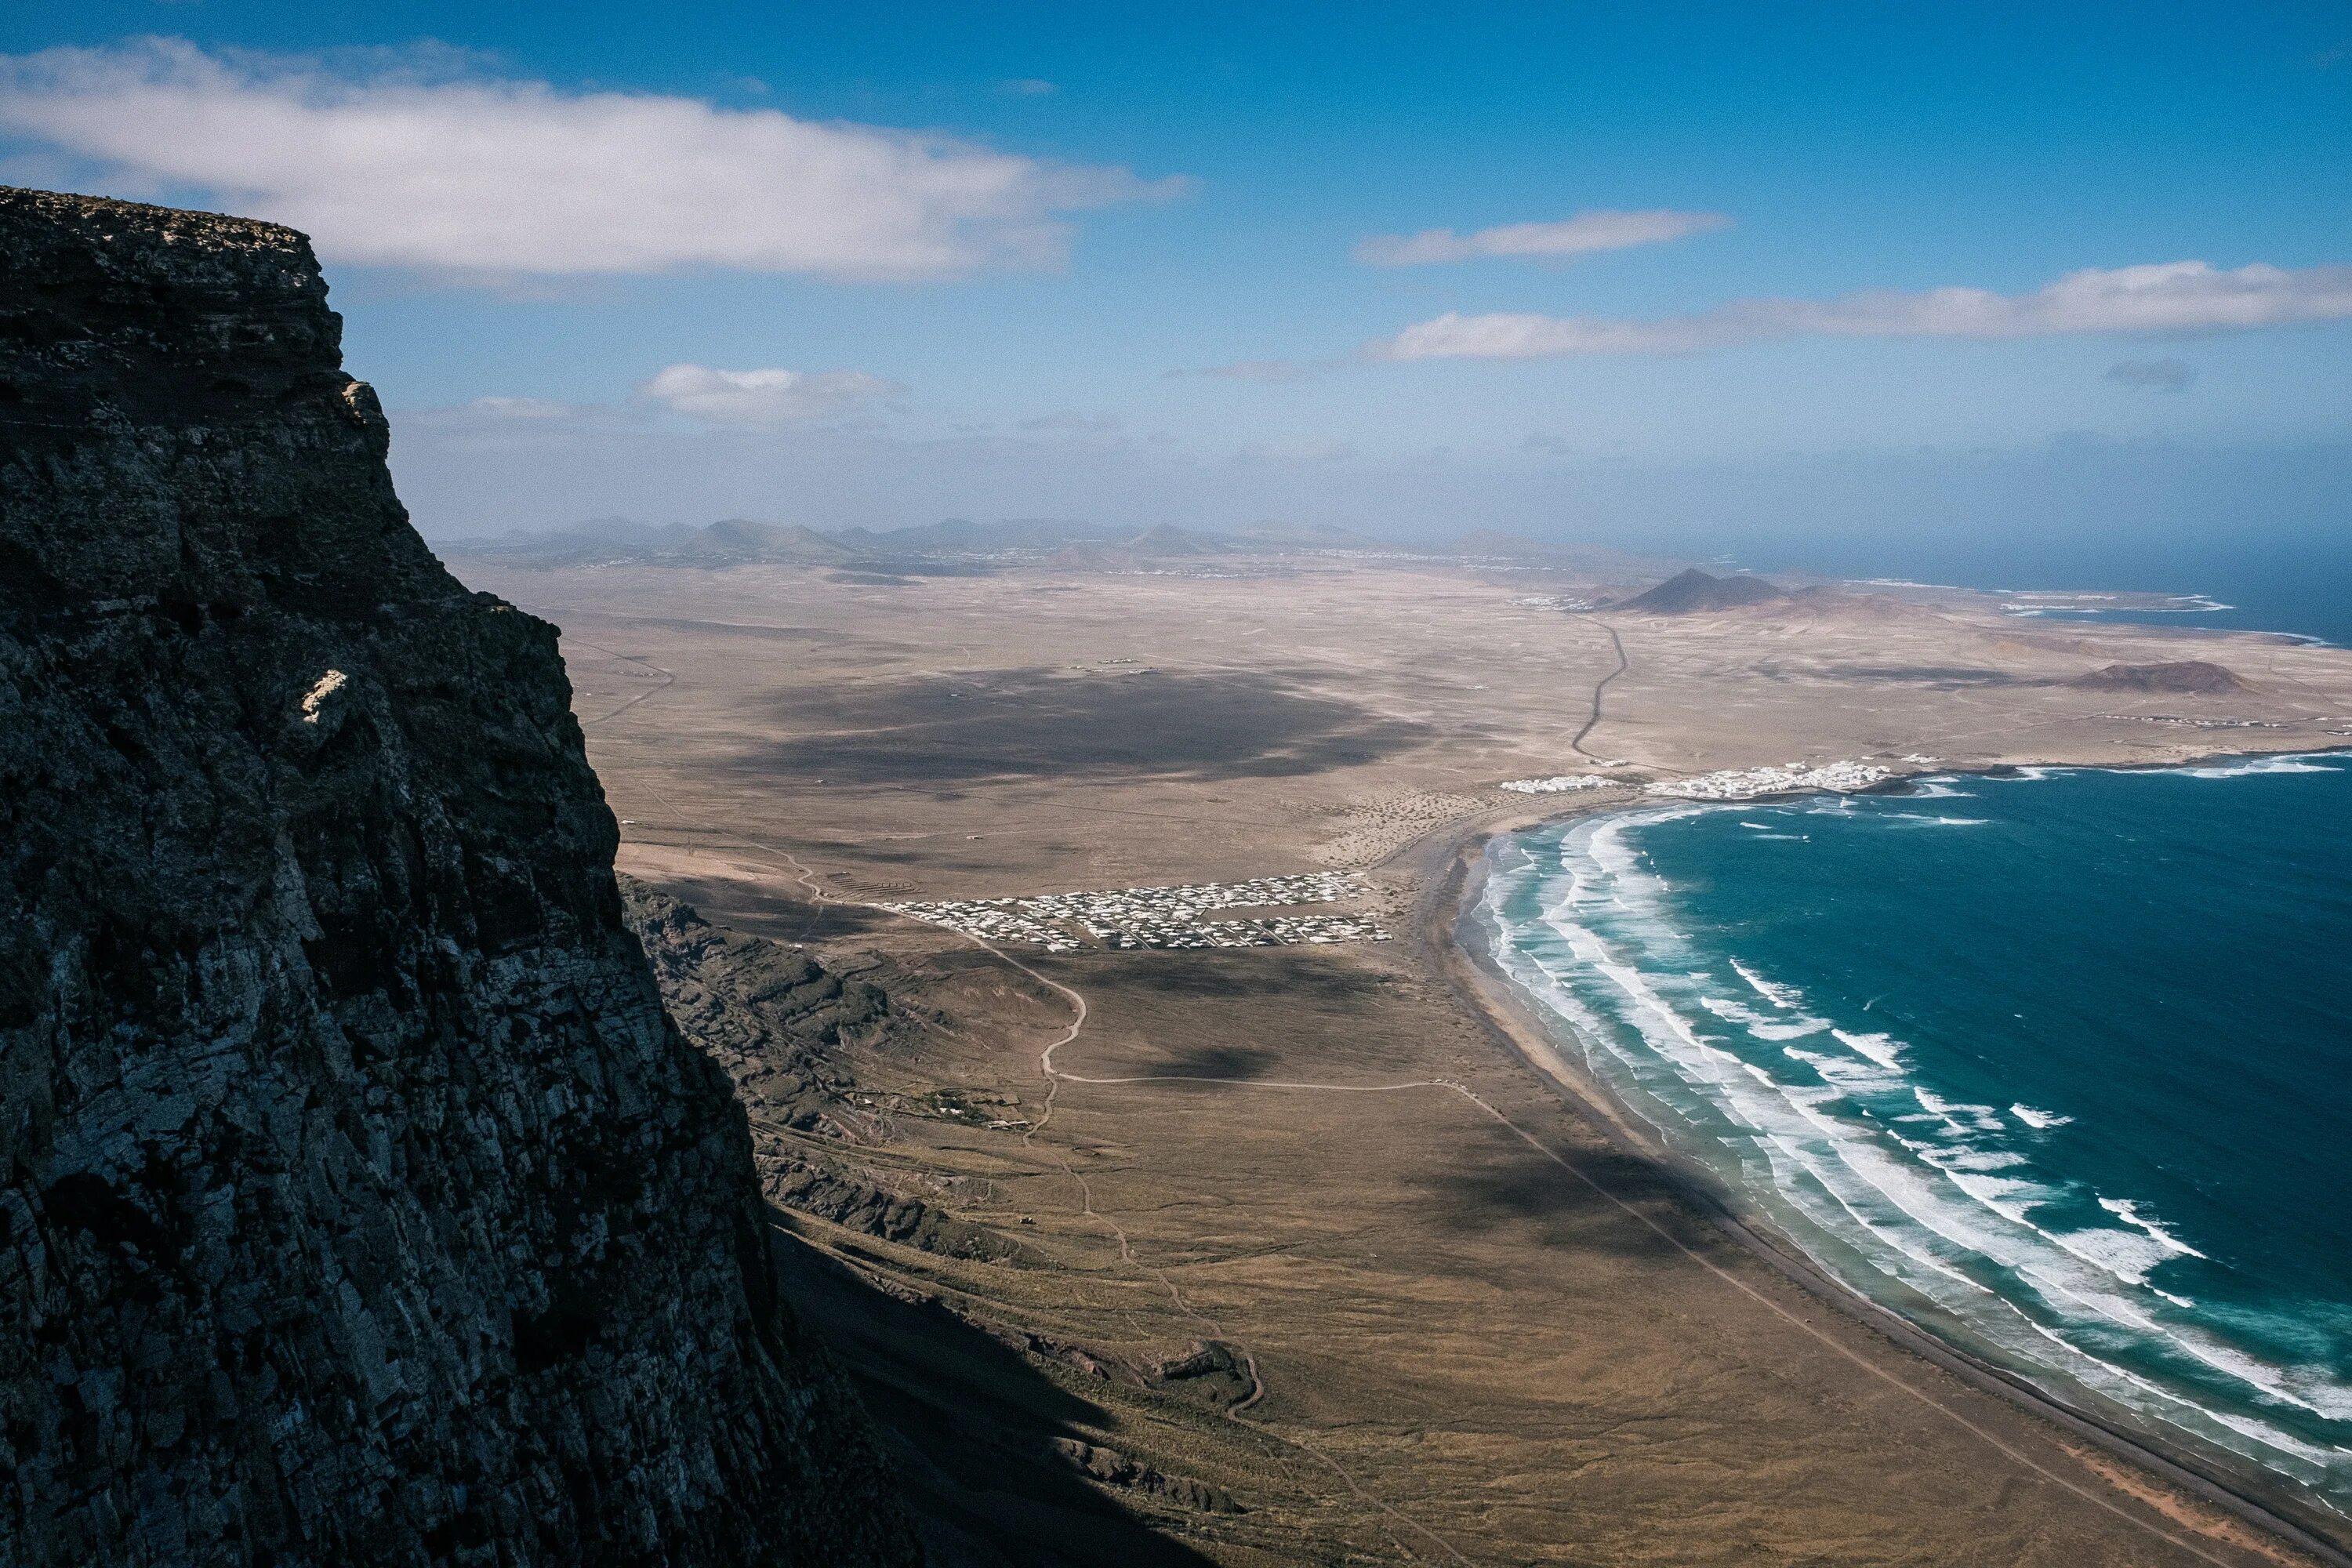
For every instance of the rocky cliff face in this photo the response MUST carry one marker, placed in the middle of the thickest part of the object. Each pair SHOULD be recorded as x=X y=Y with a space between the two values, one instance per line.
x=358 y=1201
x=773 y=1018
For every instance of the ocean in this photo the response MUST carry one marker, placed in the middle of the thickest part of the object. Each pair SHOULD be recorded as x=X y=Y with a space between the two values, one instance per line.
x=2302 y=586
x=2058 y=1065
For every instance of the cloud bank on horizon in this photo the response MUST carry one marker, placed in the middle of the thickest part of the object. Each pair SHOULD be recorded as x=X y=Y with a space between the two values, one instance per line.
x=494 y=177
x=767 y=396
x=2164 y=298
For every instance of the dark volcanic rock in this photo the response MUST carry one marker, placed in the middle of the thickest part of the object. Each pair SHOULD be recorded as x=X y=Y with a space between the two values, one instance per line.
x=2188 y=674
x=358 y=1202
x=762 y=1010
x=770 y=1015
x=1694 y=591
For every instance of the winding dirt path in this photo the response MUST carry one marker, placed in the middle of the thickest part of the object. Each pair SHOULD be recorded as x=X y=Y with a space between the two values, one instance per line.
x=1394 y=1520
x=1055 y=1078
x=1551 y=1155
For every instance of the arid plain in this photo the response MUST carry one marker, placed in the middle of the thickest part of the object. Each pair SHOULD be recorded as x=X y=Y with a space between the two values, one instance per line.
x=1295 y=1256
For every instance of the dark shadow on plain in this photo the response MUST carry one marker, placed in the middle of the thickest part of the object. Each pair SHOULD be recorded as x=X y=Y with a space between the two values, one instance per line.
x=1032 y=723
x=765 y=910
x=1921 y=674
x=970 y=1426
x=1497 y=1181
x=1300 y=974
x=1211 y=1061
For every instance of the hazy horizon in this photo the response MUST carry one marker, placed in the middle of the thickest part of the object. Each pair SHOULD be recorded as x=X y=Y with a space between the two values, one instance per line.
x=1845 y=290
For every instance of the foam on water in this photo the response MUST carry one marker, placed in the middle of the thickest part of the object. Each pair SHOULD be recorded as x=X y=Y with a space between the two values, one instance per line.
x=1959 y=1211
x=2130 y=1212
x=2255 y=767
x=1778 y=995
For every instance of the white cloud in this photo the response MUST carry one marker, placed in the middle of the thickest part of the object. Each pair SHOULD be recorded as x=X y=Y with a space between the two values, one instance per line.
x=2165 y=296
x=760 y=396
x=1027 y=87
x=1582 y=235
x=488 y=176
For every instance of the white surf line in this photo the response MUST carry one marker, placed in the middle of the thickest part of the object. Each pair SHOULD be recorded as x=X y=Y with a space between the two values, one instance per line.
x=1720 y=1273
x=1852 y=1356
x=1054 y=1079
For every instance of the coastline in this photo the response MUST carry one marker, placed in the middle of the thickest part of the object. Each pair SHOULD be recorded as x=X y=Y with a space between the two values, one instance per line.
x=1520 y=1363
x=1450 y=867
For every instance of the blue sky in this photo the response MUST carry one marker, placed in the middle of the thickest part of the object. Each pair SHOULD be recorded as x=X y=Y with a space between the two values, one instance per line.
x=1009 y=315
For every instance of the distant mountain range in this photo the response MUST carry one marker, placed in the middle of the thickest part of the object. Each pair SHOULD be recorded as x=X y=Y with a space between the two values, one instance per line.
x=958 y=545
x=734 y=542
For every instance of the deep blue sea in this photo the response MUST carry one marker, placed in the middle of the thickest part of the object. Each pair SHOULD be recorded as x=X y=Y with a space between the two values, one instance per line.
x=2298 y=585
x=2058 y=1065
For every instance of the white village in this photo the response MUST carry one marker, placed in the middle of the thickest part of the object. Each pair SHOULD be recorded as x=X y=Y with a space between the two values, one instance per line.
x=1162 y=916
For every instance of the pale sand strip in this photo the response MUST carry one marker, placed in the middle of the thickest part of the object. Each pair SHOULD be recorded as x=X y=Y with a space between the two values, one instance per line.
x=1450 y=869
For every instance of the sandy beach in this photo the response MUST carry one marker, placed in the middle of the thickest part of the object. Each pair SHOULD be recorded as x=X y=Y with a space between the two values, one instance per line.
x=1317 y=1253
x=1455 y=872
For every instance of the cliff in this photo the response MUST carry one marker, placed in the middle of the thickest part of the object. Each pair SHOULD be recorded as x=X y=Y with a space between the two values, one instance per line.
x=359 y=1203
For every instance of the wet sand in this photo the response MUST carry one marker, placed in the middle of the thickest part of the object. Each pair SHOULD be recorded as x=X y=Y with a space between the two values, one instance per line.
x=1455 y=870
x=1481 y=1325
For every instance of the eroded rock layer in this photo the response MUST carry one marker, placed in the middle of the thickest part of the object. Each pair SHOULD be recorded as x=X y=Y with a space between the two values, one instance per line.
x=358 y=1201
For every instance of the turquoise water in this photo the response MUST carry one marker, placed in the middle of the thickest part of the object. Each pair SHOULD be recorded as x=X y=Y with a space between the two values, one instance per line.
x=2059 y=1066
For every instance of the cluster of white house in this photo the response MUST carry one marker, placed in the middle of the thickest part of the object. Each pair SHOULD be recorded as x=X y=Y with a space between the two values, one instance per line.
x=1558 y=783
x=1747 y=783
x=1162 y=916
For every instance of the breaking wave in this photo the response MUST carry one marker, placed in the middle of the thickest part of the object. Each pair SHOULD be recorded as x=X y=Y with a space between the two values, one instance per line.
x=1964 y=1213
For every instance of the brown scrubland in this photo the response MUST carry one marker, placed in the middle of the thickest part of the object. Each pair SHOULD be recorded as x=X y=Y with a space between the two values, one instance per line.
x=1314 y=1254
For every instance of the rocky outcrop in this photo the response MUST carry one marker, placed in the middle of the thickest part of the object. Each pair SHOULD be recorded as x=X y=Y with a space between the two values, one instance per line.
x=764 y=1011
x=359 y=1203
x=771 y=1016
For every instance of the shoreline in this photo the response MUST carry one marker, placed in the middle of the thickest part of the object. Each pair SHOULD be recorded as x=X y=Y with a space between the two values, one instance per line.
x=1450 y=867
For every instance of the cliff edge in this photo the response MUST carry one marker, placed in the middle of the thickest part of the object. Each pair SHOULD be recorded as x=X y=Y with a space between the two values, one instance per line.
x=359 y=1203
